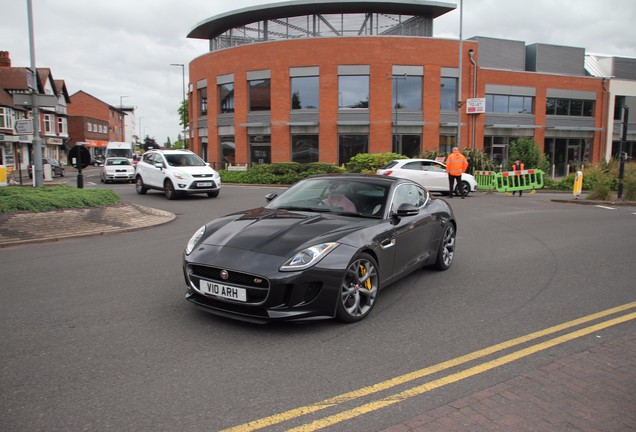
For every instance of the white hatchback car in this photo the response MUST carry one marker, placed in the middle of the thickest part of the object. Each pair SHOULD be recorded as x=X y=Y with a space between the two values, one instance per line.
x=117 y=169
x=429 y=173
x=176 y=172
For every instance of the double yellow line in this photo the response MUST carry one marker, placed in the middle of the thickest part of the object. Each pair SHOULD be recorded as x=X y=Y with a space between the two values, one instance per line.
x=426 y=387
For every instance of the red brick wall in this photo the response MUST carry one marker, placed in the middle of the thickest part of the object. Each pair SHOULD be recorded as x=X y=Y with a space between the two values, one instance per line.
x=381 y=53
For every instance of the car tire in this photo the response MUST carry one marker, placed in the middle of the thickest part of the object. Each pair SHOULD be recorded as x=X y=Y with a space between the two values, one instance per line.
x=462 y=189
x=168 y=190
x=213 y=194
x=139 y=186
x=446 y=250
x=102 y=180
x=358 y=290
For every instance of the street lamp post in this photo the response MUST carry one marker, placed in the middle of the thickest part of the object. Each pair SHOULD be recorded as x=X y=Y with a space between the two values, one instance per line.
x=185 y=140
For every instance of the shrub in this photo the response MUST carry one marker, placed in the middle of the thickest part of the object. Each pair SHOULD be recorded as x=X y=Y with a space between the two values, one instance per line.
x=29 y=199
x=278 y=173
x=369 y=163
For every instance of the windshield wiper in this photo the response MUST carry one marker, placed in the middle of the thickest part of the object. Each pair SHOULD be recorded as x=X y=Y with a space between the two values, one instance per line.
x=314 y=209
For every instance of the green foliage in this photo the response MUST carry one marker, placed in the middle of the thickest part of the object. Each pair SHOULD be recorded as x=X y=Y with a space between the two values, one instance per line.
x=278 y=173
x=184 y=115
x=29 y=199
x=369 y=163
x=526 y=150
x=478 y=161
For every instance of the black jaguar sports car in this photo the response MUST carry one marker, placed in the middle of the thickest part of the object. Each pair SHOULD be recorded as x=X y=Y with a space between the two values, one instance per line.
x=324 y=248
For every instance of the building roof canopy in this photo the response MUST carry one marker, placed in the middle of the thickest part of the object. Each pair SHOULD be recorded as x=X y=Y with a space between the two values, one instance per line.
x=217 y=25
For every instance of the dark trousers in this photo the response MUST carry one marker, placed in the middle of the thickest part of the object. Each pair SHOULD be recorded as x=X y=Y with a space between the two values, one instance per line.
x=452 y=182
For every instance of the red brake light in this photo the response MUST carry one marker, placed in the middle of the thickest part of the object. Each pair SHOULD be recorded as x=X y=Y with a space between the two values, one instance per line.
x=388 y=172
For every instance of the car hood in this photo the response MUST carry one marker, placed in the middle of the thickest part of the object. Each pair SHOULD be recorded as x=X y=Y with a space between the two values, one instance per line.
x=280 y=232
x=195 y=170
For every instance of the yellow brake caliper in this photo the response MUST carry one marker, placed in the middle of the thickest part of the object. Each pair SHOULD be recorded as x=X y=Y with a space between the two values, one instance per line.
x=367 y=283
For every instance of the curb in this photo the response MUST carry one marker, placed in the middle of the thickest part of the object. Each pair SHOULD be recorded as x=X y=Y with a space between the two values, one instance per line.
x=30 y=228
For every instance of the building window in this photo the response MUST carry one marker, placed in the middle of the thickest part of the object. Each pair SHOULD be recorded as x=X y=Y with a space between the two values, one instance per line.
x=61 y=126
x=353 y=91
x=304 y=148
x=569 y=107
x=89 y=127
x=509 y=104
x=259 y=95
x=228 y=151
x=203 y=100
x=408 y=145
x=407 y=92
x=226 y=98
x=351 y=145
x=304 y=92
x=6 y=118
x=48 y=124
x=260 y=149
x=448 y=94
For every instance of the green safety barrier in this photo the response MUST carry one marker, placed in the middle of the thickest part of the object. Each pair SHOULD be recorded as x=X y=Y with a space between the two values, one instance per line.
x=509 y=181
x=485 y=180
x=512 y=181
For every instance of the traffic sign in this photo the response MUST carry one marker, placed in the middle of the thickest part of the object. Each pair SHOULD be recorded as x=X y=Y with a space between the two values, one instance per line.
x=79 y=155
x=24 y=127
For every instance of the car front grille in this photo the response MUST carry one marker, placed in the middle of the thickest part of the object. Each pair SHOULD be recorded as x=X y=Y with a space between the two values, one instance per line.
x=256 y=286
x=202 y=176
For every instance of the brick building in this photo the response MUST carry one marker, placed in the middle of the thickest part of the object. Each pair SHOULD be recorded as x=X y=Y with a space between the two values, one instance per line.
x=322 y=81
x=16 y=149
x=95 y=122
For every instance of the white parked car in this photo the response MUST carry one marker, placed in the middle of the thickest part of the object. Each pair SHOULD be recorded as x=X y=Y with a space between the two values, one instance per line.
x=117 y=169
x=176 y=172
x=429 y=173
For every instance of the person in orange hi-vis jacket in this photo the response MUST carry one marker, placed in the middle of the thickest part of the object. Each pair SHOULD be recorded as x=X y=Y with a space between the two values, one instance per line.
x=517 y=166
x=456 y=164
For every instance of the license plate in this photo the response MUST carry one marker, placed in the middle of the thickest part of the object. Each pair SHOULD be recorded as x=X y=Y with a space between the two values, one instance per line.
x=225 y=291
x=204 y=184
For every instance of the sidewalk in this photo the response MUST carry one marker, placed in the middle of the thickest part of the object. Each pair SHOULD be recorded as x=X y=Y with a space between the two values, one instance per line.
x=591 y=391
x=26 y=228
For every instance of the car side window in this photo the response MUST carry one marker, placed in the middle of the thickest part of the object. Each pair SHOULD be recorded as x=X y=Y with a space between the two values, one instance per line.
x=413 y=166
x=409 y=194
x=147 y=158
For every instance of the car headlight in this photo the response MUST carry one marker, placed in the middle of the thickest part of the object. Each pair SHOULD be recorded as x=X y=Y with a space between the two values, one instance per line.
x=308 y=257
x=180 y=175
x=194 y=240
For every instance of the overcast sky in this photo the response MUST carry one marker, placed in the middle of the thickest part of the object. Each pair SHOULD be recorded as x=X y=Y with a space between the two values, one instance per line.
x=117 y=48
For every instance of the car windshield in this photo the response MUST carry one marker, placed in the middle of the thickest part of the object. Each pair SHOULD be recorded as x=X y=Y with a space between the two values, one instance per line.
x=184 y=159
x=118 y=162
x=355 y=197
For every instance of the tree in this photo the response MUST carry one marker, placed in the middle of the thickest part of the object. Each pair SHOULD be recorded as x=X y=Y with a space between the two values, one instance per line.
x=150 y=143
x=167 y=144
x=526 y=150
x=184 y=116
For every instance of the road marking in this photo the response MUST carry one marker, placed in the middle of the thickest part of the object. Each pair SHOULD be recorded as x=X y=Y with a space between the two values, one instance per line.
x=484 y=367
x=403 y=379
x=606 y=207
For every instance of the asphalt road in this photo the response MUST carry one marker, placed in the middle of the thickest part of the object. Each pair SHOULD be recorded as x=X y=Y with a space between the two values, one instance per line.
x=96 y=334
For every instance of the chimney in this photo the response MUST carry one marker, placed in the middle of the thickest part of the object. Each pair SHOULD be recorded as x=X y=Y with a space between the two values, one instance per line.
x=5 y=60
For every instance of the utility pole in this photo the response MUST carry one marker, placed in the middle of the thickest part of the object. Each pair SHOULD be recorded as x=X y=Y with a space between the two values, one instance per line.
x=185 y=139
x=621 y=154
x=38 y=173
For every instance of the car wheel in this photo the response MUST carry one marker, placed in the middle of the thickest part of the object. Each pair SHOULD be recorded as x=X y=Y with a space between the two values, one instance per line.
x=168 y=190
x=102 y=180
x=462 y=189
x=213 y=194
x=358 y=290
x=446 y=251
x=139 y=186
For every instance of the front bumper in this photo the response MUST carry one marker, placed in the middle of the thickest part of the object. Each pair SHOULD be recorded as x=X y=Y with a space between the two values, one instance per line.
x=281 y=296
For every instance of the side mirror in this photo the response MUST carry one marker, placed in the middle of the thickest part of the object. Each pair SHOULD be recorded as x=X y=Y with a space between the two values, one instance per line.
x=404 y=210
x=270 y=196
x=159 y=165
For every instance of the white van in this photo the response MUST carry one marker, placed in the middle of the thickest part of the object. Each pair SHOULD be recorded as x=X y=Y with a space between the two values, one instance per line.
x=119 y=149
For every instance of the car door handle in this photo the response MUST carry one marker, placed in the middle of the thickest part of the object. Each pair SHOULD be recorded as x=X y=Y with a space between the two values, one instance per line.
x=385 y=244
